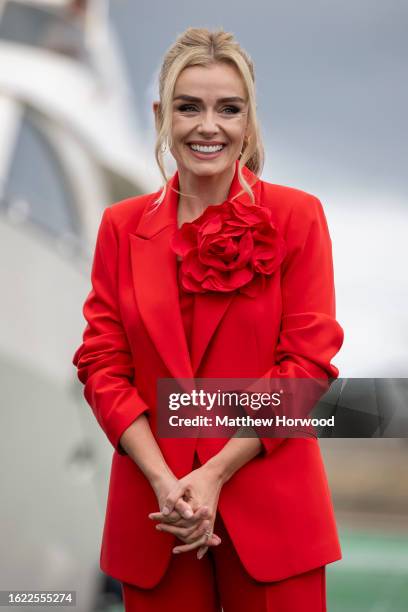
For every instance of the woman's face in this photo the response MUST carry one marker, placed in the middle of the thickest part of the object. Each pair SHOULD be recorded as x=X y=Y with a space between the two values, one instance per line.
x=210 y=110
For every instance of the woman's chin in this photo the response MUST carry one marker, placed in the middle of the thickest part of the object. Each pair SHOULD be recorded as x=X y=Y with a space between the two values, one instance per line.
x=207 y=167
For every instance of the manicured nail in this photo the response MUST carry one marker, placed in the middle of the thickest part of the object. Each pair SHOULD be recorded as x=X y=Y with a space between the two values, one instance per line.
x=165 y=511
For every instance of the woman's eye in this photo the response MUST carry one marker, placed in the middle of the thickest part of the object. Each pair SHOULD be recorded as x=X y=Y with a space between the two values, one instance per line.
x=231 y=110
x=186 y=108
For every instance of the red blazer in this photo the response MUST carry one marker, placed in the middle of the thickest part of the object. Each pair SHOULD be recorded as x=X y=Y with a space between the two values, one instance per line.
x=277 y=508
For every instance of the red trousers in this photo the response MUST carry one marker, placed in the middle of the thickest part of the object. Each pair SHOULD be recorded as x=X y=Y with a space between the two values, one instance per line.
x=219 y=582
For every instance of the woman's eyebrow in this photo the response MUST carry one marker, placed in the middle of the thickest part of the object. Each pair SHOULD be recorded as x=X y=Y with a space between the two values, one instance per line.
x=194 y=99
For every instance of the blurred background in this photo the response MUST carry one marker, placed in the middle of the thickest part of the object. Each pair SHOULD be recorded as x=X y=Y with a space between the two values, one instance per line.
x=77 y=80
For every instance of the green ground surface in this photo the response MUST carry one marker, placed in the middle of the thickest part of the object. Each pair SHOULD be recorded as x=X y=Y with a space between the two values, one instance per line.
x=371 y=577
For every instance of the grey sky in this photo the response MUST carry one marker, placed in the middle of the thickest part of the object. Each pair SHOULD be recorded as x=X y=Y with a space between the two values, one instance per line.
x=331 y=80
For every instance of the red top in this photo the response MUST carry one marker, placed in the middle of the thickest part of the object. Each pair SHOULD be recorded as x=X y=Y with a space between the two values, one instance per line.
x=186 y=307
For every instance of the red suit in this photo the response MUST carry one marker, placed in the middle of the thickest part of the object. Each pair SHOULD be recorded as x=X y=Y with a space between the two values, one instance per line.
x=277 y=508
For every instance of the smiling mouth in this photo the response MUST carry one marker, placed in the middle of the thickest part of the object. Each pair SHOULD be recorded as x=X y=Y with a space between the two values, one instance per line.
x=206 y=149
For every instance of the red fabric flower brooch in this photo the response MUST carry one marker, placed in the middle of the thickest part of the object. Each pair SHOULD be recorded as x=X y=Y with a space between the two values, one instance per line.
x=230 y=247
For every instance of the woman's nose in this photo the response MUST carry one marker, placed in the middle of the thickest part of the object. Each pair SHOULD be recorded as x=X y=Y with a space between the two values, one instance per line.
x=208 y=123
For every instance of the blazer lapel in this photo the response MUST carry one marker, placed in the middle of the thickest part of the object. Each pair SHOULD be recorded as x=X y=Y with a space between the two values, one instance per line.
x=154 y=274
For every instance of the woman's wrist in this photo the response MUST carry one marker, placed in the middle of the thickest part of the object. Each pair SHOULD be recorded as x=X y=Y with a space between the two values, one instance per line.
x=218 y=468
x=158 y=476
x=236 y=453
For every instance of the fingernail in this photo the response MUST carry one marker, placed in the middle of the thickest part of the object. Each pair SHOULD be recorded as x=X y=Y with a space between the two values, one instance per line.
x=158 y=527
x=200 y=555
x=188 y=514
x=165 y=511
x=176 y=551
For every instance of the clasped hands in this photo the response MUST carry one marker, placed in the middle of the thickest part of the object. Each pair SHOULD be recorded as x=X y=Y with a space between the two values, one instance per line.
x=188 y=508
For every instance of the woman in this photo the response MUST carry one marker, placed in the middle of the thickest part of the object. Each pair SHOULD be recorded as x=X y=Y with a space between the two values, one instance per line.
x=250 y=518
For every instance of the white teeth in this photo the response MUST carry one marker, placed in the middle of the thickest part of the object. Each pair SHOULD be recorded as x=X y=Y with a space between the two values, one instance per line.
x=206 y=148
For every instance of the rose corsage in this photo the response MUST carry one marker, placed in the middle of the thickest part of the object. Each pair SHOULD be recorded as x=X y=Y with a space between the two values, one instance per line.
x=230 y=247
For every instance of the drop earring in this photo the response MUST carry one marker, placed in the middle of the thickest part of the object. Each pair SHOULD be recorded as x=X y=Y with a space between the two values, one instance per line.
x=244 y=145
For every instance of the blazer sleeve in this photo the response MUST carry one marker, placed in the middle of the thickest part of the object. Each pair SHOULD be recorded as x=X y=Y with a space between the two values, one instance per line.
x=104 y=360
x=309 y=336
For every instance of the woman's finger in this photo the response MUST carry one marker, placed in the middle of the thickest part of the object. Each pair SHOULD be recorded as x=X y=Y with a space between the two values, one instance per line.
x=172 y=498
x=201 y=552
x=203 y=541
x=199 y=515
x=183 y=508
x=174 y=517
x=184 y=533
x=214 y=540
x=187 y=534
x=200 y=530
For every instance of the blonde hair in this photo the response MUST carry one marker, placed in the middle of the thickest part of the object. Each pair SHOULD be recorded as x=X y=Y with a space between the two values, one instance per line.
x=201 y=47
